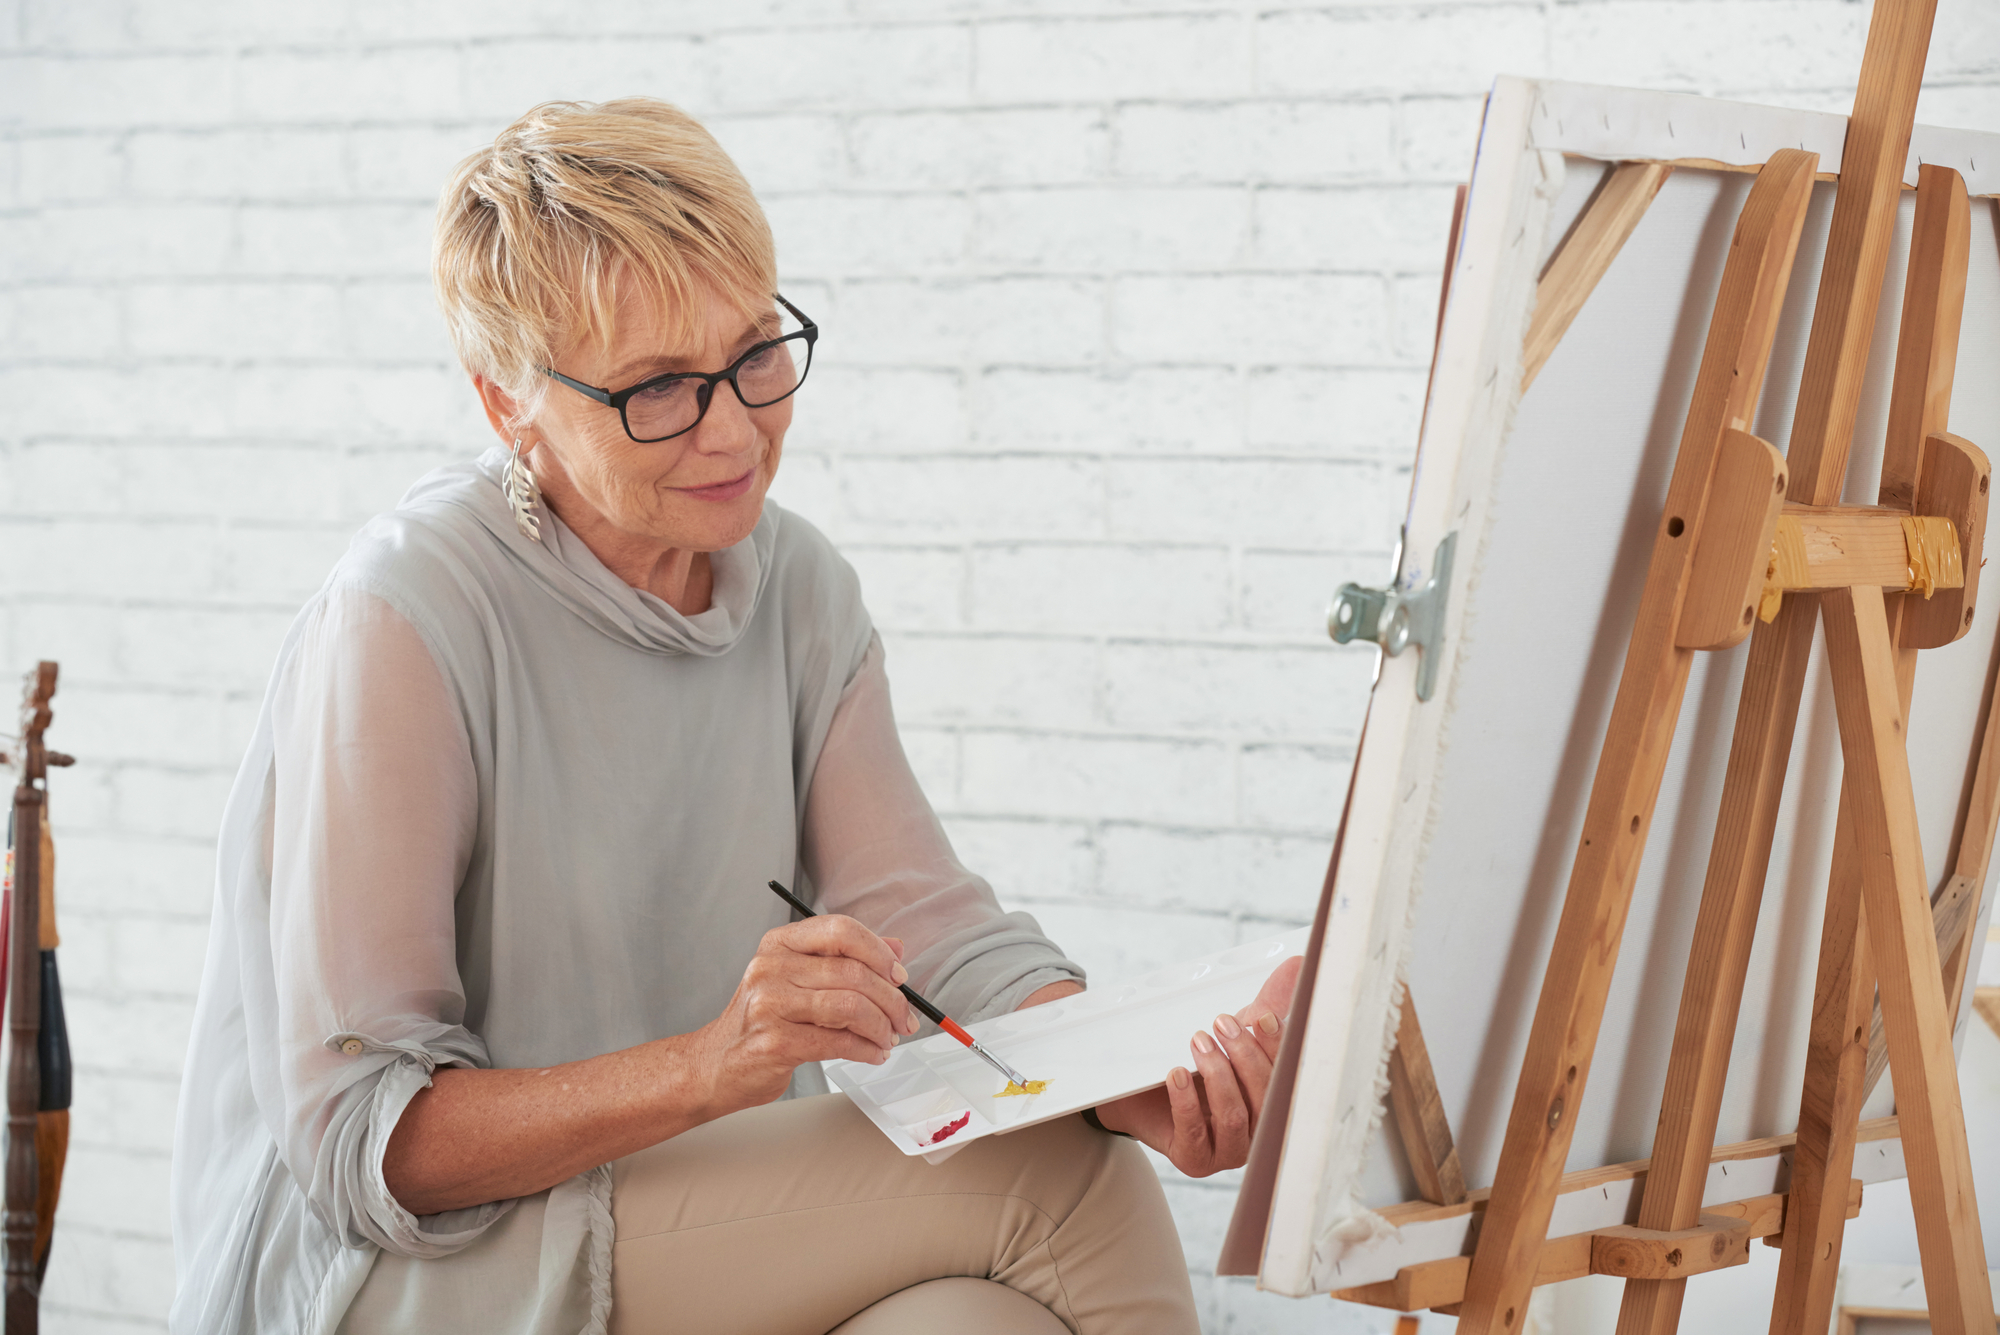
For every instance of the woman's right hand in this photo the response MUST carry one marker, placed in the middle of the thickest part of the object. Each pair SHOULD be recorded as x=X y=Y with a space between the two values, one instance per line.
x=815 y=990
x=825 y=987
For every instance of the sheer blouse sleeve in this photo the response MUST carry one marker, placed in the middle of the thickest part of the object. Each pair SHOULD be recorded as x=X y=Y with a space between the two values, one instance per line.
x=874 y=850
x=373 y=818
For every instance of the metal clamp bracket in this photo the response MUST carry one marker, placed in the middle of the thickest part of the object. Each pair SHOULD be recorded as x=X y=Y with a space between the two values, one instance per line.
x=1397 y=620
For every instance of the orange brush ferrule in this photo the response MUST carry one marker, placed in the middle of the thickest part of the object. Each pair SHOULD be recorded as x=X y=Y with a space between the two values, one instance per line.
x=1014 y=1077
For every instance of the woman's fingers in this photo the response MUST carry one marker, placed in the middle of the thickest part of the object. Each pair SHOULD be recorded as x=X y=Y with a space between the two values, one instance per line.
x=1249 y=1060
x=838 y=934
x=824 y=974
x=1188 y=1146
x=1264 y=1018
x=1228 y=1115
x=1267 y=1031
x=833 y=952
x=1275 y=997
x=841 y=994
x=830 y=1008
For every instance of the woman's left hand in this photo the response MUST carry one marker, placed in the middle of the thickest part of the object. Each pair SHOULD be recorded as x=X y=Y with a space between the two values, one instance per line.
x=1203 y=1120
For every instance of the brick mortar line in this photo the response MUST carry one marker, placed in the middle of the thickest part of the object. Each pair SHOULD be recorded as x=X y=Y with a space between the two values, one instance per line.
x=985 y=454
x=1120 y=183
x=845 y=114
x=784 y=30
x=1089 y=825
x=926 y=280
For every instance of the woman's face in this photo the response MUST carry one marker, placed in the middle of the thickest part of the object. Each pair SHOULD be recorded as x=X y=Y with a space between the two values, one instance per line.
x=699 y=491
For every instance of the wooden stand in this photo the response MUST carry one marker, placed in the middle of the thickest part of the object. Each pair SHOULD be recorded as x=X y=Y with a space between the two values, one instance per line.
x=1735 y=542
x=37 y=1134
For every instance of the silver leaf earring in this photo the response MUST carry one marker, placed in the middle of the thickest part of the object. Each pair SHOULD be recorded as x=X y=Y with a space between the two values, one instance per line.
x=523 y=495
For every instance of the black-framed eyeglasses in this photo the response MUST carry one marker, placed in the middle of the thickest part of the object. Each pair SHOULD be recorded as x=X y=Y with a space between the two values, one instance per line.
x=674 y=404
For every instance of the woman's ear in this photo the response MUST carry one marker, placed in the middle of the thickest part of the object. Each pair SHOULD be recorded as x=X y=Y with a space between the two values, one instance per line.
x=502 y=408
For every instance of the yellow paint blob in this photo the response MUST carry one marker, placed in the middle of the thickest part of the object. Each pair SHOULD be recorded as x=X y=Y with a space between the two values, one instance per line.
x=1013 y=1090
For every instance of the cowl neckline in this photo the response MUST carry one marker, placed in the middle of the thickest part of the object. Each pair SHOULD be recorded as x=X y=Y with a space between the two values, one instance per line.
x=568 y=571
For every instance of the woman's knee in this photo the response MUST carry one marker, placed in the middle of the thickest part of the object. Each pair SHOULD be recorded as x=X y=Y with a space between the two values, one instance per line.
x=960 y=1303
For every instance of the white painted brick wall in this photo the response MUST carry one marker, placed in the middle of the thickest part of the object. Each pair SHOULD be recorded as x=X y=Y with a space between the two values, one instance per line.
x=1127 y=308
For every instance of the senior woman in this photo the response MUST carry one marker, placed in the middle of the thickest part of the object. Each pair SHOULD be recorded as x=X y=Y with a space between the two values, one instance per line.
x=498 y=1024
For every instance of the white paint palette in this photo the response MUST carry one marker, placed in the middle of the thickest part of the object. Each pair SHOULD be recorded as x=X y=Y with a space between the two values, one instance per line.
x=1090 y=1048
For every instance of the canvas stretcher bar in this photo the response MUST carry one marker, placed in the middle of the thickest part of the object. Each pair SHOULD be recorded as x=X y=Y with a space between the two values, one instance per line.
x=1631 y=124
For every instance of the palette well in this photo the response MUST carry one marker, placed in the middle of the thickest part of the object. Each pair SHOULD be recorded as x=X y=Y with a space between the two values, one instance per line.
x=933 y=1097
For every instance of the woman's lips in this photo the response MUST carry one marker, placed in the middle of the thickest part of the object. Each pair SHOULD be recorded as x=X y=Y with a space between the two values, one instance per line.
x=721 y=491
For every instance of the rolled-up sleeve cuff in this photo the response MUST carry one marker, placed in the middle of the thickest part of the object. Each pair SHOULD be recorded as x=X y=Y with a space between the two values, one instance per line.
x=1012 y=997
x=350 y=1191
x=992 y=969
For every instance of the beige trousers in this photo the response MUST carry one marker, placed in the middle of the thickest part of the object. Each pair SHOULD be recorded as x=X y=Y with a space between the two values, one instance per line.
x=799 y=1218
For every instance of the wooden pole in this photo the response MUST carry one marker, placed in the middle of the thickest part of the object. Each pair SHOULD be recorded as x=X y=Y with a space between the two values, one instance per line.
x=24 y=1082
x=1857 y=246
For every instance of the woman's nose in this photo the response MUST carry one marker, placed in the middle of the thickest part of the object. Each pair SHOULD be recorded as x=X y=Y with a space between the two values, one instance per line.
x=726 y=428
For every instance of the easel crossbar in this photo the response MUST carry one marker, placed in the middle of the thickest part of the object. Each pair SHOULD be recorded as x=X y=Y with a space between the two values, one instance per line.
x=1612 y=1191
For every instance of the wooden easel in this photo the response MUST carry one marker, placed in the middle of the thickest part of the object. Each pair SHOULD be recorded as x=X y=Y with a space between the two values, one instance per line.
x=1744 y=527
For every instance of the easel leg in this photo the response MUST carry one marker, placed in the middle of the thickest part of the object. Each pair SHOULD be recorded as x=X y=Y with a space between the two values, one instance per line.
x=1766 y=719
x=1903 y=946
x=1836 y=1082
x=1836 y=1055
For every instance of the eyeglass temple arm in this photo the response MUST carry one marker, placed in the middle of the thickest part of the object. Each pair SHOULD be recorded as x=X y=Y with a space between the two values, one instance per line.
x=805 y=321
x=588 y=391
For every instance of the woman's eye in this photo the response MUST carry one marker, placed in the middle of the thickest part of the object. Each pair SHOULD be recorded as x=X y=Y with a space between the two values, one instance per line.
x=672 y=389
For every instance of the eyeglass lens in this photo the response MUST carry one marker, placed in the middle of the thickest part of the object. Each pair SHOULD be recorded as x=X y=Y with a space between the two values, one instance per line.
x=670 y=408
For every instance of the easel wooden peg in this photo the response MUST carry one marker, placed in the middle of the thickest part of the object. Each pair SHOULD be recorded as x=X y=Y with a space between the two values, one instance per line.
x=1716 y=1243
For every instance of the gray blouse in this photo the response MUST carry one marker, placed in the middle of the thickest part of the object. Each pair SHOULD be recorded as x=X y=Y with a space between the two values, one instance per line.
x=504 y=810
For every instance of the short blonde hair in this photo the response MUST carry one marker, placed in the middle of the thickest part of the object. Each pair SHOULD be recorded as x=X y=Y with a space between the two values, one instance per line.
x=536 y=232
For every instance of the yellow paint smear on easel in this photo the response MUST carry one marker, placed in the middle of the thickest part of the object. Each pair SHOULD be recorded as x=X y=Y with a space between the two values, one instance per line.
x=1934 y=557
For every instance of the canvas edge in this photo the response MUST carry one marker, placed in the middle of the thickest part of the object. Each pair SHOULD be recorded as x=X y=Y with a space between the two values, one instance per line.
x=1359 y=969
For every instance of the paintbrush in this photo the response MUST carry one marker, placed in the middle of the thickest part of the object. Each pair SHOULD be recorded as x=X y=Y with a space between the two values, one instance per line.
x=938 y=1017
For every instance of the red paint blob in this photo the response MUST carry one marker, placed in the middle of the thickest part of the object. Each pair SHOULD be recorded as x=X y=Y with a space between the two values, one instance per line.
x=953 y=1129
